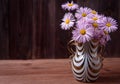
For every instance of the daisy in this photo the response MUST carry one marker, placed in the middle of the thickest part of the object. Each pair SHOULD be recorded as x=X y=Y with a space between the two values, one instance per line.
x=82 y=34
x=105 y=38
x=93 y=12
x=70 y=6
x=109 y=24
x=68 y=21
x=95 y=21
x=95 y=17
x=97 y=34
x=82 y=13
x=102 y=41
x=81 y=22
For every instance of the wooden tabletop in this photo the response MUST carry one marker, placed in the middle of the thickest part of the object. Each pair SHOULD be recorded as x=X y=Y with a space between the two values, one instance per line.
x=52 y=71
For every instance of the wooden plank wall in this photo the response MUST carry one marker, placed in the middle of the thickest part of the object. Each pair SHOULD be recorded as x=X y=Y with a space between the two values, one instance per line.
x=30 y=29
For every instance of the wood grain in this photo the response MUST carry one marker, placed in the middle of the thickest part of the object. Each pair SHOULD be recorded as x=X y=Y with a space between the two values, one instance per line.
x=52 y=72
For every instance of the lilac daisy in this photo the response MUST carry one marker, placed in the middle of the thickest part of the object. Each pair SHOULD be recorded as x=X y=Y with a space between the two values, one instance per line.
x=70 y=6
x=93 y=12
x=95 y=21
x=82 y=34
x=68 y=21
x=81 y=22
x=97 y=34
x=105 y=38
x=103 y=41
x=109 y=24
x=82 y=13
x=95 y=17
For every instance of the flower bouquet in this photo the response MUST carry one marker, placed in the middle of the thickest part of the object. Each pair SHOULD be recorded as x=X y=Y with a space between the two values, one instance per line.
x=90 y=31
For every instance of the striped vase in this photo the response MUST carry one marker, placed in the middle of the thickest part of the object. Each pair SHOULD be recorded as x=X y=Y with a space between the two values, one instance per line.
x=86 y=60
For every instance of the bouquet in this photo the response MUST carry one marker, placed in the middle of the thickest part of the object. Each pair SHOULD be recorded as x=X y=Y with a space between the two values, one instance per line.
x=87 y=24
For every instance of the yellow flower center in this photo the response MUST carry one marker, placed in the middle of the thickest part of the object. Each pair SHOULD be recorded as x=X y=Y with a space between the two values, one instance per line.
x=94 y=12
x=95 y=25
x=95 y=18
x=83 y=31
x=70 y=4
x=84 y=14
x=105 y=32
x=108 y=24
x=67 y=21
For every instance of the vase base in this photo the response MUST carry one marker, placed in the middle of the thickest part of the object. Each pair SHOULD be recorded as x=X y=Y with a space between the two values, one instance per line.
x=85 y=81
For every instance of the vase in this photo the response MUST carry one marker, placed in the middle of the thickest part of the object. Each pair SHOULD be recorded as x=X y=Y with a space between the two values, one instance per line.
x=86 y=60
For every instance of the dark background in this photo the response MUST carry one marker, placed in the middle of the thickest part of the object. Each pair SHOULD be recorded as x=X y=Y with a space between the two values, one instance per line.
x=30 y=29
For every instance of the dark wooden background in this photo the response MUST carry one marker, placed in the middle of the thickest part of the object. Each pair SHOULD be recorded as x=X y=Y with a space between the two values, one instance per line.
x=30 y=29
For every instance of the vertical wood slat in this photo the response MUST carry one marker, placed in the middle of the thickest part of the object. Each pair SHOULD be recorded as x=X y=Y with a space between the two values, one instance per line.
x=13 y=15
x=4 y=36
x=34 y=30
x=45 y=30
x=38 y=37
x=52 y=28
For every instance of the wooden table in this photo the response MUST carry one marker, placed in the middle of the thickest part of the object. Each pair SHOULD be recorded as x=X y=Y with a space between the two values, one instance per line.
x=52 y=71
